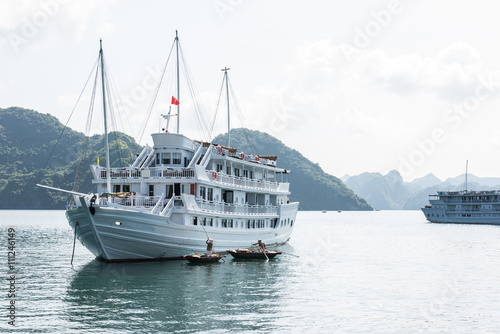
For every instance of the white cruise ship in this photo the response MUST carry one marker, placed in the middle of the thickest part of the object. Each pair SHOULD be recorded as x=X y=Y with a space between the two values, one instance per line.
x=464 y=207
x=176 y=195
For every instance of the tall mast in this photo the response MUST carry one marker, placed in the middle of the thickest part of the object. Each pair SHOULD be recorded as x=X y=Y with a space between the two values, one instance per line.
x=106 y=143
x=228 y=113
x=178 y=86
x=466 y=168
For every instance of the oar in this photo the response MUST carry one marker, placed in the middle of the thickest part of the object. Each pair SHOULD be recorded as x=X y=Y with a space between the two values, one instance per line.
x=290 y=254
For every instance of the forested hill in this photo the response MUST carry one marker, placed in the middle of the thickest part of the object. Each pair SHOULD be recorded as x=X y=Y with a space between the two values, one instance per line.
x=27 y=140
x=309 y=184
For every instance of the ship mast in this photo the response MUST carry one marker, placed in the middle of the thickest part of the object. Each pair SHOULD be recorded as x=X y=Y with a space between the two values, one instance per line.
x=225 y=69
x=106 y=143
x=466 y=168
x=178 y=86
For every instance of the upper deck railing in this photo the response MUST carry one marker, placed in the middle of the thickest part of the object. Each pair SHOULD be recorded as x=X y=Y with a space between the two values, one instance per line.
x=243 y=181
x=152 y=172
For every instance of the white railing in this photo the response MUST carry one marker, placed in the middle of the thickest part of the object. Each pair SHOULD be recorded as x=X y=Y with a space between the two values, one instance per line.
x=133 y=201
x=154 y=172
x=243 y=181
x=237 y=209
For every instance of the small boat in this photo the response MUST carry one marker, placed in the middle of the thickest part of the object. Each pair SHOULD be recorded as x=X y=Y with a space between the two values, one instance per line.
x=324 y=211
x=203 y=258
x=252 y=253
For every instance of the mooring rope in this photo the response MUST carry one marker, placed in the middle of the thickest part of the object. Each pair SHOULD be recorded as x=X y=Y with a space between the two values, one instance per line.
x=74 y=242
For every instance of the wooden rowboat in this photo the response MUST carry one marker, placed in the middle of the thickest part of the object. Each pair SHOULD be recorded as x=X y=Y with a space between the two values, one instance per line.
x=203 y=258
x=252 y=253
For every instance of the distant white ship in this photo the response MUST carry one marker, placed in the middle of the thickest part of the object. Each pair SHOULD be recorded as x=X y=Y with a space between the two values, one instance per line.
x=179 y=193
x=464 y=207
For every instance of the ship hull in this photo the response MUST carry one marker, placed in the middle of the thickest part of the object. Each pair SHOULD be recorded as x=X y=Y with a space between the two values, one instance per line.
x=115 y=234
x=441 y=217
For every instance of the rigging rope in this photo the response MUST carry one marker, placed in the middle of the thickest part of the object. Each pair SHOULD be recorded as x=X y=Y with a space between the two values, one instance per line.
x=155 y=95
x=83 y=151
x=66 y=125
x=239 y=114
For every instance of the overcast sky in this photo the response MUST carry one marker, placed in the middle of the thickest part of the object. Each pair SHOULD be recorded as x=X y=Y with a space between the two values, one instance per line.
x=359 y=86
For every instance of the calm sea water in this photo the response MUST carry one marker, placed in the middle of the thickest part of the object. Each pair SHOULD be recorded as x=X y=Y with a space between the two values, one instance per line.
x=358 y=272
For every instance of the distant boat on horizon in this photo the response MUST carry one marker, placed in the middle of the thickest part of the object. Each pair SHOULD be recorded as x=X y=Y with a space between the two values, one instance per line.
x=464 y=207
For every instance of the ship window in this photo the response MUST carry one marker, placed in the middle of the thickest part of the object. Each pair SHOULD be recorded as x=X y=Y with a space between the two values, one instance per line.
x=237 y=172
x=165 y=158
x=245 y=173
x=203 y=193
x=157 y=158
x=228 y=170
x=176 y=159
x=151 y=190
x=195 y=220
x=291 y=223
x=116 y=188
x=210 y=196
x=219 y=167
x=126 y=188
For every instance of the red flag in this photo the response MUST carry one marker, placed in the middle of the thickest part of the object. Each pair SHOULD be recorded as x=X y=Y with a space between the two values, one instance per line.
x=175 y=101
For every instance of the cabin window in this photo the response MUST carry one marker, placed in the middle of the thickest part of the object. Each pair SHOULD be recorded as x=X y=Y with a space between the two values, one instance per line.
x=237 y=172
x=251 y=174
x=151 y=190
x=176 y=159
x=157 y=158
x=203 y=192
x=245 y=173
x=204 y=221
x=116 y=188
x=228 y=170
x=211 y=222
x=210 y=196
x=219 y=167
x=126 y=188
x=195 y=220
x=165 y=158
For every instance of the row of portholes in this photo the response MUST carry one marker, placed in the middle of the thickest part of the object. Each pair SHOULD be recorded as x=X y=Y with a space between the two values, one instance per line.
x=249 y=223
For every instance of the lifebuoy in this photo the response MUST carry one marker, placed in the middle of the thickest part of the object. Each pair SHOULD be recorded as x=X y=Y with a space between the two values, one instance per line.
x=214 y=175
x=256 y=158
x=219 y=149
x=242 y=156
